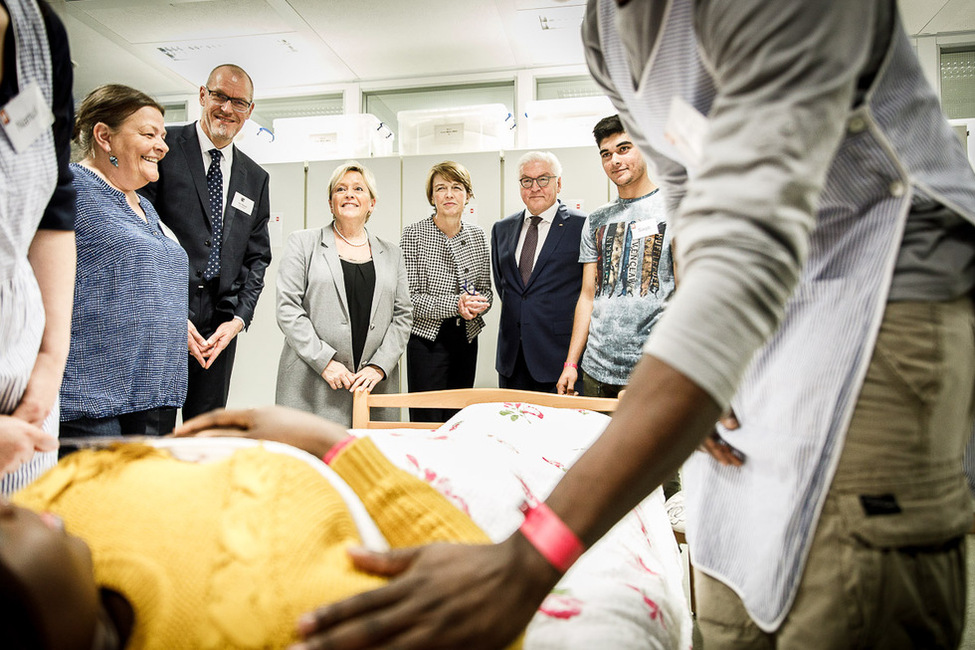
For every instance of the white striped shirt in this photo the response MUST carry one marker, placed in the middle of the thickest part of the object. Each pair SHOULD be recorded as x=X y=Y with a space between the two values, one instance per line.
x=34 y=173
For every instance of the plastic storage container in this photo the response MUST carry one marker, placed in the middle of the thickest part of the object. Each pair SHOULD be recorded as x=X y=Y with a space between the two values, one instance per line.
x=563 y=122
x=329 y=137
x=486 y=127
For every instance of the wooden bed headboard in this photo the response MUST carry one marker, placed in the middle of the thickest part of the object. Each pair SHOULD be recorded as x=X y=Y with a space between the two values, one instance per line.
x=459 y=398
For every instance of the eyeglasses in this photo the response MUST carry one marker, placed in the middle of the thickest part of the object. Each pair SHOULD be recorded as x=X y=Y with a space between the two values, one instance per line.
x=542 y=181
x=238 y=104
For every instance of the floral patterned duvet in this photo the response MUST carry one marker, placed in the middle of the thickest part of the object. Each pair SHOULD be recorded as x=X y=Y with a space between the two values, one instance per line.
x=625 y=592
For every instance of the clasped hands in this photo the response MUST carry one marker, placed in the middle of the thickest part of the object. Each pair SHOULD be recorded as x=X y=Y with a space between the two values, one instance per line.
x=338 y=376
x=206 y=351
x=470 y=305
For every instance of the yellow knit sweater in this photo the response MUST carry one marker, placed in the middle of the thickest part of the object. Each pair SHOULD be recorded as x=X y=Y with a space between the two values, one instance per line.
x=229 y=554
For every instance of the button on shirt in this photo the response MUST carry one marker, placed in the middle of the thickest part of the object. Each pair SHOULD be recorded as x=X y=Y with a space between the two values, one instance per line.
x=543 y=227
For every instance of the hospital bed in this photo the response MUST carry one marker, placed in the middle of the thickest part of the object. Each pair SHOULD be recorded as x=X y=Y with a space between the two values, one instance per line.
x=504 y=446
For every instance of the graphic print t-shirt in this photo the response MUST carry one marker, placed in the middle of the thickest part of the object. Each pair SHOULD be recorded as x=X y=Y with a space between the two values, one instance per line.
x=630 y=244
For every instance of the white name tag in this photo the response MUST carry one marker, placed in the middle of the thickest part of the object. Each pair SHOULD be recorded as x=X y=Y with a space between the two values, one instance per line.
x=686 y=128
x=26 y=117
x=242 y=203
x=642 y=229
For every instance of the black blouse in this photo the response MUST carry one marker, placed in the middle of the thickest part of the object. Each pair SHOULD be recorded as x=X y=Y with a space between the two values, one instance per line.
x=360 y=284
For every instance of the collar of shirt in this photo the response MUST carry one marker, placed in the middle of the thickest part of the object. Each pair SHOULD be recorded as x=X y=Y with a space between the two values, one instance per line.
x=547 y=216
x=226 y=160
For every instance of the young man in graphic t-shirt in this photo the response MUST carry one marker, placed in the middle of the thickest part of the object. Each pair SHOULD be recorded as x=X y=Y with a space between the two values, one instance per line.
x=628 y=273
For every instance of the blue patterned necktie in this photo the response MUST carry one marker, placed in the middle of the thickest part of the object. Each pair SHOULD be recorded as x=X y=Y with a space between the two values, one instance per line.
x=215 y=190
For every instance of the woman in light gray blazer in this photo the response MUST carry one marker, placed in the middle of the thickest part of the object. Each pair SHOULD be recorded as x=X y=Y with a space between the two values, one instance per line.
x=343 y=304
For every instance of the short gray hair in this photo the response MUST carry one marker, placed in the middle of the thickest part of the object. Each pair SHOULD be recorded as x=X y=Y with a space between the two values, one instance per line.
x=546 y=157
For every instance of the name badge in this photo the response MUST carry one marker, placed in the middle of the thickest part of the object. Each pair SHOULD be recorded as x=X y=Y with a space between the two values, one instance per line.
x=242 y=203
x=642 y=229
x=26 y=117
x=686 y=128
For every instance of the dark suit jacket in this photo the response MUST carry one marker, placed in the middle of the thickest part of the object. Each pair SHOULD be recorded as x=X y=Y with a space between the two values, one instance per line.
x=180 y=197
x=539 y=315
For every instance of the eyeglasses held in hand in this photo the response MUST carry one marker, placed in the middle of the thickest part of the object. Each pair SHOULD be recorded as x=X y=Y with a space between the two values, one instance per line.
x=238 y=104
x=542 y=181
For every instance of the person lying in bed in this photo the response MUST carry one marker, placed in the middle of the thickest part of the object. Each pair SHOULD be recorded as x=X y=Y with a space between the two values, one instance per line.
x=164 y=553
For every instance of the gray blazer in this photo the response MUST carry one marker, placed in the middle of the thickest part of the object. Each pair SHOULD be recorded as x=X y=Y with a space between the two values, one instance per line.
x=313 y=313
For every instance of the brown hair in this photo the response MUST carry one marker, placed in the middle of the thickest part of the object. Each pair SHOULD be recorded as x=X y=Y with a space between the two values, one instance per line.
x=452 y=171
x=111 y=105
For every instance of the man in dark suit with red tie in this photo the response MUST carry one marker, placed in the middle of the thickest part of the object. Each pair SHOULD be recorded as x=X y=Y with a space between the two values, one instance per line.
x=215 y=200
x=537 y=275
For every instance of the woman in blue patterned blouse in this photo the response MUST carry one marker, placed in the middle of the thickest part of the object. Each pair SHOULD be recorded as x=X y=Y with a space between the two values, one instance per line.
x=449 y=271
x=127 y=363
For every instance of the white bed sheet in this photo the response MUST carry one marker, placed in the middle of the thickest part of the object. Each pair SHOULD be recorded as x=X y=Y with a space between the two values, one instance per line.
x=626 y=592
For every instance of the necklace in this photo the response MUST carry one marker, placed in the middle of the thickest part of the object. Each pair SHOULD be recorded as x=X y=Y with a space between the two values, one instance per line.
x=339 y=233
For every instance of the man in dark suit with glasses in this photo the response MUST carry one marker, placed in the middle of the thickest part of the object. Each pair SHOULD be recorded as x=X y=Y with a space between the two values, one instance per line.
x=215 y=200
x=535 y=260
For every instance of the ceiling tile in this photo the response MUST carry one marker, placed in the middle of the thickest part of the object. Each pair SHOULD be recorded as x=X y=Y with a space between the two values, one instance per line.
x=956 y=16
x=99 y=61
x=274 y=61
x=382 y=40
x=148 y=21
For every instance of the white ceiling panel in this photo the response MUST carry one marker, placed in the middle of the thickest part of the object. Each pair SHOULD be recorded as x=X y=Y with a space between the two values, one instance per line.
x=381 y=40
x=551 y=34
x=274 y=61
x=956 y=16
x=99 y=60
x=918 y=13
x=144 y=21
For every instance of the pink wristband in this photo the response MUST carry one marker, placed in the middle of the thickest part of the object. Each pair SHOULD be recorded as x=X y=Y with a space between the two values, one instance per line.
x=550 y=536
x=569 y=365
x=334 y=451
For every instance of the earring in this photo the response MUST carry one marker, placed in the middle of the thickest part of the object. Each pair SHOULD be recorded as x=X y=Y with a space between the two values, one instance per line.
x=112 y=159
